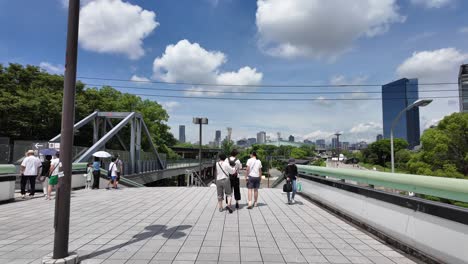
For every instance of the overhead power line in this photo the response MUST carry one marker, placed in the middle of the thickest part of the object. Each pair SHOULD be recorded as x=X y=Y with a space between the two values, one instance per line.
x=249 y=92
x=258 y=85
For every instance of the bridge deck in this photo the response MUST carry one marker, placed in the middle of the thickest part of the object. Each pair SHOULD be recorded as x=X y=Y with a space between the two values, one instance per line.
x=182 y=225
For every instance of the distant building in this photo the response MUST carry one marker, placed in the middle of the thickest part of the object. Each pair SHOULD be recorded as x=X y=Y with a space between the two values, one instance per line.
x=261 y=137
x=182 y=134
x=242 y=143
x=379 y=137
x=335 y=144
x=320 y=143
x=308 y=142
x=217 y=140
x=344 y=146
x=396 y=96
x=463 y=88
x=361 y=145
x=252 y=141
x=291 y=138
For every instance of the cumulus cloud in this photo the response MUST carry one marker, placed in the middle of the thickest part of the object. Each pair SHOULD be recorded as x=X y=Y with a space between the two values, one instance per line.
x=136 y=78
x=433 y=66
x=51 y=68
x=318 y=134
x=432 y=3
x=170 y=105
x=115 y=27
x=190 y=63
x=463 y=30
x=317 y=29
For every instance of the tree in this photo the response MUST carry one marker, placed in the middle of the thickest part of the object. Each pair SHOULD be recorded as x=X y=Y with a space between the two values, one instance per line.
x=298 y=153
x=227 y=146
x=444 y=149
x=379 y=151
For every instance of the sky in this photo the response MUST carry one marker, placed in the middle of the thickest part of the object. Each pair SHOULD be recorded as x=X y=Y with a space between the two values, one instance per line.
x=255 y=43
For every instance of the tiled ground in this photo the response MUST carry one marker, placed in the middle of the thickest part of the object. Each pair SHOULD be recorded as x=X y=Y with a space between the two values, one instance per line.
x=182 y=225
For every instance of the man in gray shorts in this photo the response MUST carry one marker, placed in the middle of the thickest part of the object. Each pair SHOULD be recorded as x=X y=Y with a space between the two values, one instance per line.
x=223 y=185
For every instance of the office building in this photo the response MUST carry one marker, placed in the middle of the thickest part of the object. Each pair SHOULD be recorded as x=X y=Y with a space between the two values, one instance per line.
x=217 y=141
x=379 y=137
x=291 y=138
x=320 y=143
x=463 y=88
x=308 y=142
x=182 y=134
x=344 y=146
x=396 y=96
x=335 y=144
x=261 y=137
x=252 y=141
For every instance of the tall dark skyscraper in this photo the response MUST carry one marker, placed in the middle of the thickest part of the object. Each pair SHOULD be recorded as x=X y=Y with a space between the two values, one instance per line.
x=379 y=137
x=463 y=88
x=396 y=96
x=182 y=134
x=218 y=136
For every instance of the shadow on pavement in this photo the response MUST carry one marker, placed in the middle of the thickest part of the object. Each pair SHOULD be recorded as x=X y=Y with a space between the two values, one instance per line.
x=150 y=231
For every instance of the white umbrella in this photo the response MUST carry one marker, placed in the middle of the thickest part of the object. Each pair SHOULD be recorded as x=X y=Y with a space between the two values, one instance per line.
x=102 y=154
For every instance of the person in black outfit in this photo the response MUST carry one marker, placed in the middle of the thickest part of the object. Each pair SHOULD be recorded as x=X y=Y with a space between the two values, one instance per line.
x=45 y=174
x=290 y=173
x=234 y=178
x=96 y=172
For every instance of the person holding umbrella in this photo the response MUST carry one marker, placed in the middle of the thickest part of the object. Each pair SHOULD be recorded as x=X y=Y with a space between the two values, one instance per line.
x=97 y=166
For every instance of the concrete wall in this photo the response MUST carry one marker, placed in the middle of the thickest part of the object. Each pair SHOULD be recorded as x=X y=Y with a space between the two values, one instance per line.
x=437 y=237
x=7 y=190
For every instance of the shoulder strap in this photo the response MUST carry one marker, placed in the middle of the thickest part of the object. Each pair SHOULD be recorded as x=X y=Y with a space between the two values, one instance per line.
x=222 y=169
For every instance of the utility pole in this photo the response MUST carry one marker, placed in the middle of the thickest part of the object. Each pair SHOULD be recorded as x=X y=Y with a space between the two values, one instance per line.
x=200 y=121
x=62 y=202
x=338 y=134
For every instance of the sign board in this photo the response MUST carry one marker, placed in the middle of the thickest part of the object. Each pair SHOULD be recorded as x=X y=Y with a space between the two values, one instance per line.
x=54 y=145
x=38 y=146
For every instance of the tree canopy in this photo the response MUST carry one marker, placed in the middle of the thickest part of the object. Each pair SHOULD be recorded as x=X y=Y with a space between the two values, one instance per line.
x=31 y=105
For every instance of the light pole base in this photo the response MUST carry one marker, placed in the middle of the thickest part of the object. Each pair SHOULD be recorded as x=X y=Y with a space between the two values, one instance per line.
x=71 y=259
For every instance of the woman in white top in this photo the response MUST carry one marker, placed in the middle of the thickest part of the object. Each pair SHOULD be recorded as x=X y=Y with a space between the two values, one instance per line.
x=254 y=173
x=223 y=185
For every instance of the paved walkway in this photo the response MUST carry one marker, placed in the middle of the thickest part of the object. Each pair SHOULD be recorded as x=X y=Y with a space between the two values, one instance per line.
x=182 y=225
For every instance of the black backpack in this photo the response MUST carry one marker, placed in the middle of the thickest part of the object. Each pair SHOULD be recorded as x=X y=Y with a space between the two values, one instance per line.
x=232 y=163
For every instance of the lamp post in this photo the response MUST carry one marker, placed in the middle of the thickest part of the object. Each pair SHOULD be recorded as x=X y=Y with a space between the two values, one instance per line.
x=200 y=121
x=418 y=103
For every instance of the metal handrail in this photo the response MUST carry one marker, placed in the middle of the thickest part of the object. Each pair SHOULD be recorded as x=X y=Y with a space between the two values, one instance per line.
x=449 y=188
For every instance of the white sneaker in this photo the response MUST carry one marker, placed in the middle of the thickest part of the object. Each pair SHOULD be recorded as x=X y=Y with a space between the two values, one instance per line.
x=292 y=201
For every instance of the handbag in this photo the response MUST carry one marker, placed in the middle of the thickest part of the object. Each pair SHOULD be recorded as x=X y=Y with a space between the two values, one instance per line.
x=287 y=187
x=109 y=172
x=299 y=186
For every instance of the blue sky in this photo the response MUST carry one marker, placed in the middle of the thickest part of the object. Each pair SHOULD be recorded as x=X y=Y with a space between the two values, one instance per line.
x=254 y=42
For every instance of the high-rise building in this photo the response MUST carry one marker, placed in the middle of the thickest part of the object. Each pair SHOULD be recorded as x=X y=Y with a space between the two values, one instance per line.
x=379 y=137
x=308 y=142
x=182 y=134
x=396 y=96
x=261 y=137
x=320 y=143
x=217 y=141
x=252 y=141
x=463 y=88
x=335 y=143
x=291 y=138
x=344 y=146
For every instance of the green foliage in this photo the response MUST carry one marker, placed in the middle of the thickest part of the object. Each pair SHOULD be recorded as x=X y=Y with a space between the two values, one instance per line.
x=379 y=151
x=227 y=146
x=31 y=106
x=298 y=153
x=319 y=162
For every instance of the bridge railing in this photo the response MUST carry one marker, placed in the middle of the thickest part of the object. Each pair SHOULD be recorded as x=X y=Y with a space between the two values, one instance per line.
x=449 y=188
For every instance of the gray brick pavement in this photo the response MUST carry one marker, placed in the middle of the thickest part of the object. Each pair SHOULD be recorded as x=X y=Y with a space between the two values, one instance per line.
x=183 y=225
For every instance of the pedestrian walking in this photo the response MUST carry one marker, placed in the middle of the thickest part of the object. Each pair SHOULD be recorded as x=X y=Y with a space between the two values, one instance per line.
x=223 y=184
x=54 y=172
x=119 y=169
x=96 y=172
x=254 y=173
x=89 y=176
x=112 y=173
x=290 y=173
x=235 y=163
x=45 y=174
x=29 y=170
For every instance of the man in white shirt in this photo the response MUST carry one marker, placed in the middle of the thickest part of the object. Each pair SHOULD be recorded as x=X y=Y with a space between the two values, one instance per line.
x=223 y=184
x=254 y=174
x=29 y=171
x=113 y=173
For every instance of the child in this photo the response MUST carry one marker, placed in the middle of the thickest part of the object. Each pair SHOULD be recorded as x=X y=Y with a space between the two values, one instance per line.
x=89 y=176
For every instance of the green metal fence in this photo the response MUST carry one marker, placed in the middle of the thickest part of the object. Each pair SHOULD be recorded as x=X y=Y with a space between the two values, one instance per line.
x=449 y=188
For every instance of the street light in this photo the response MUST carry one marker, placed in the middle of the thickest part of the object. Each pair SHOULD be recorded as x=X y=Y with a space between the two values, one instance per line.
x=418 y=103
x=200 y=121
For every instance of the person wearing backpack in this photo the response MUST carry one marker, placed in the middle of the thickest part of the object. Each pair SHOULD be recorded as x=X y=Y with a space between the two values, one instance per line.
x=45 y=174
x=223 y=184
x=112 y=174
x=235 y=163
x=290 y=173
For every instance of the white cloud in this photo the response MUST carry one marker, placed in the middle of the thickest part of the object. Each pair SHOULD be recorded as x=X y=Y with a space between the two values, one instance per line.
x=116 y=27
x=51 y=68
x=170 y=105
x=432 y=3
x=190 y=63
x=342 y=80
x=433 y=66
x=321 y=100
x=463 y=30
x=136 y=78
x=318 y=134
x=317 y=28
x=369 y=127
